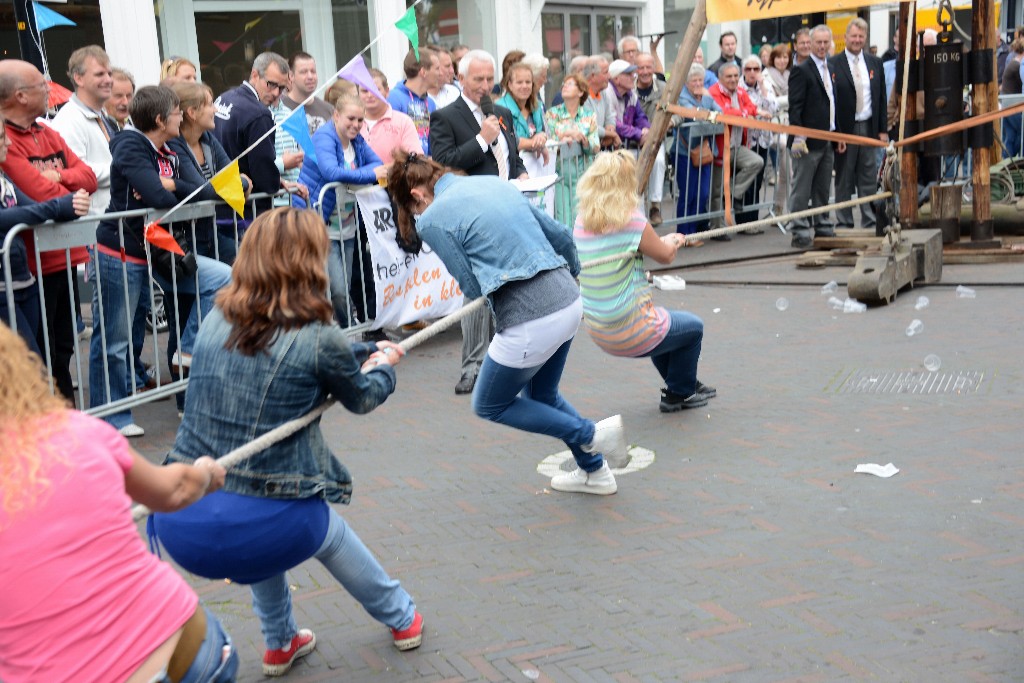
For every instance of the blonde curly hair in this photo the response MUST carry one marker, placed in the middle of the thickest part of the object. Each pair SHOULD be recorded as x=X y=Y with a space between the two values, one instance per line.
x=606 y=195
x=29 y=414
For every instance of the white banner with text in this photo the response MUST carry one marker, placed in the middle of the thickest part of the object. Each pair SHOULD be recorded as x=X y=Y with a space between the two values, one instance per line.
x=410 y=287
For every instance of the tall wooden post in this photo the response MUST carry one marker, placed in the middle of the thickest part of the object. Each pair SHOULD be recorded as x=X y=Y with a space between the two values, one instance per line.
x=662 y=119
x=908 y=159
x=986 y=99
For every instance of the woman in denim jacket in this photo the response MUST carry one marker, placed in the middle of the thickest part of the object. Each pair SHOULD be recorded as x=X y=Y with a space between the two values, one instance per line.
x=270 y=353
x=496 y=244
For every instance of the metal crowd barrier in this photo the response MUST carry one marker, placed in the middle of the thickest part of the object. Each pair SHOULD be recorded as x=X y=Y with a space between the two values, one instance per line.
x=571 y=163
x=355 y=268
x=153 y=350
x=685 y=181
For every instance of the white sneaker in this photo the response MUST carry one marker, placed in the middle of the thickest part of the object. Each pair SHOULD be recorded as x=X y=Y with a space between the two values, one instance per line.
x=132 y=430
x=601 y=482
x=609 y=441
x=181 y=360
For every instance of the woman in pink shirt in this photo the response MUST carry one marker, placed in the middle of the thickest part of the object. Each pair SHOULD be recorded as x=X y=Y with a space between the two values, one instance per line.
x=83 y=600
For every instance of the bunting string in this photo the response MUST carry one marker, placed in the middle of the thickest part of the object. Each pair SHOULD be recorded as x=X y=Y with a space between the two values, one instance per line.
x=356 y=67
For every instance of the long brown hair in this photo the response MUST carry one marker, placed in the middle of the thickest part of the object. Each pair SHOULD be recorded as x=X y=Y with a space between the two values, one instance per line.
x=279 y=280
x=25 y=400
x=408 y=172
x=532 y=100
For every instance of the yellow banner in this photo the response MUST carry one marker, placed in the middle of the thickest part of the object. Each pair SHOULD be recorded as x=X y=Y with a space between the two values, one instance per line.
x=720 y=11
x=228 y=184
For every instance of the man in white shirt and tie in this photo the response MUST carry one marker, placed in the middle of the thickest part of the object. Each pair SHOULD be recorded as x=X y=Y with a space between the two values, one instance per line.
x=477 y=136
x=812 y=105
x=859 y=84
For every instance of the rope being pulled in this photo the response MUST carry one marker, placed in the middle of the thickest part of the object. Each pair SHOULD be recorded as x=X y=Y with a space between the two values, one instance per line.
x=281 y=432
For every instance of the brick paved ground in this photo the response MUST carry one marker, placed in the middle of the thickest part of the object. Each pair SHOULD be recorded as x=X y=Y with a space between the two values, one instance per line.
x=748 y=551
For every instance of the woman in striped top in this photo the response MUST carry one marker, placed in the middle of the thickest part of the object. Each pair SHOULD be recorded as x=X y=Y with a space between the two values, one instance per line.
x=617 y=305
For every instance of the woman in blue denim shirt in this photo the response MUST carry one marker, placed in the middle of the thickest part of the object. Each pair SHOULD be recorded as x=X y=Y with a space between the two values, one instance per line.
x=270 y=353
x=496 y=244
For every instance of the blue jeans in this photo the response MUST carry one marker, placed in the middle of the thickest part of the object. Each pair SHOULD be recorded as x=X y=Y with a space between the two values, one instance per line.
x=26 y=313
x=139 y=340
x=694 y=191
x=528 y=399
x=208 y=666
x=355 y=568
x=1012 y=134
x=676 y=356
x=114 y=324
x=339 y=271
x=213 y=275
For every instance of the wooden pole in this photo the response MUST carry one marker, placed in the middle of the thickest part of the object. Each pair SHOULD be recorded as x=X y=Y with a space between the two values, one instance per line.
x=983 y=35
x=662 y=119
x=908 y=159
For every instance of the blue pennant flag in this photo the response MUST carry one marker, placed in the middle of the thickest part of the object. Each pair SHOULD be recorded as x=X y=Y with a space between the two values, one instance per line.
x=297 y=127
x=47 y=18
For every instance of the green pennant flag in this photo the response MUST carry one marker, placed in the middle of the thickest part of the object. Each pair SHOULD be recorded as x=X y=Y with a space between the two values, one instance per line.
x=407 y=25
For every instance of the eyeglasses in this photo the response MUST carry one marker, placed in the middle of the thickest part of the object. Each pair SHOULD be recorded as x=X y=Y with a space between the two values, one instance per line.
x=41 y=84
x=751 y=68
x=271 y=85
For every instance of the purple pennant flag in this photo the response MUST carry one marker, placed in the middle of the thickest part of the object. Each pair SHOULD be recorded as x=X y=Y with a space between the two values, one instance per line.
x=356 y=72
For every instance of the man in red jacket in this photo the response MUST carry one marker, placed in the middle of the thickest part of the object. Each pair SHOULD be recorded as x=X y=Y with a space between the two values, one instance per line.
x=41 y=164
x=746 y=164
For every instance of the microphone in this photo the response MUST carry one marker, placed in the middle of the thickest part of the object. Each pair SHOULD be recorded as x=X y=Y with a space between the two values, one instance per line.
x=486 y=105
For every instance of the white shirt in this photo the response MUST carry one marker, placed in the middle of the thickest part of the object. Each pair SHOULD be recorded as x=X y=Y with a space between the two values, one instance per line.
x=478 y=114
x=857 y=62
x=826 y=79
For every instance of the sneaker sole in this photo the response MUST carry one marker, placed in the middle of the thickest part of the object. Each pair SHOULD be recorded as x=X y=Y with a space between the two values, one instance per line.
x=409 y=643
x=593 y=490
x=282 y=669
x=676 y=407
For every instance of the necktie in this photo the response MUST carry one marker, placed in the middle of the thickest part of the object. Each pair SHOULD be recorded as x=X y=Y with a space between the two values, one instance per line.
x=499 y=155
x=831 y=98
x=858 y=83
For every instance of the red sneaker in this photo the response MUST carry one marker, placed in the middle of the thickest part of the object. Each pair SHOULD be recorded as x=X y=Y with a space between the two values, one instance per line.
x=410 y=638
x=278 y=662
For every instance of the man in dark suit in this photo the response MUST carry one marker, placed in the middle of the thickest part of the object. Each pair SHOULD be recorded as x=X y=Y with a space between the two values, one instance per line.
x=812 y=105
x=480 y=141
x=859 y=82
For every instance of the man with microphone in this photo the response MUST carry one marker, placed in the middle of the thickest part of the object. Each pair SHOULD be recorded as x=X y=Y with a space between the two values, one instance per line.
x=477 y=136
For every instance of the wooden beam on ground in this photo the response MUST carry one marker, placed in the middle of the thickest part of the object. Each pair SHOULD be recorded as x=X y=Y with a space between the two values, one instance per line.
x=674 y=86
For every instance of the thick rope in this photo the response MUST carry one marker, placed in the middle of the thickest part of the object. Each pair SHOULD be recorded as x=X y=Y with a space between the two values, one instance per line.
x=282 y=432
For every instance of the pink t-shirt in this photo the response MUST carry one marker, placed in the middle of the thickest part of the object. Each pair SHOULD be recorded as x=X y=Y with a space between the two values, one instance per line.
x=391 y=131
x=81 y=599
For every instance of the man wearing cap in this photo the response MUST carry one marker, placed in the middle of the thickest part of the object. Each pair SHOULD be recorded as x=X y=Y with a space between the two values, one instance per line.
x=631 y=122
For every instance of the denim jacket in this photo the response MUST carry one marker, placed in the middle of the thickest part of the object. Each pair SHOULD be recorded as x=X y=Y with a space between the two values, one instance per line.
x=233 y=398
x=487 y=234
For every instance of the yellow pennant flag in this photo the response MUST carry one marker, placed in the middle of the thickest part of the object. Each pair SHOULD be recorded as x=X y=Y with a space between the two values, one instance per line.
x=228 y=184
x=253 y=23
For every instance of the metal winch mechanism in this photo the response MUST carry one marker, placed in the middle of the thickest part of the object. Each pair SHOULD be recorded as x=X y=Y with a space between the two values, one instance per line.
x=909 y=256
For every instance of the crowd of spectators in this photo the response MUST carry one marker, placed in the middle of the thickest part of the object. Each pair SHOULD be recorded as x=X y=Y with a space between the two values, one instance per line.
x=555 y=112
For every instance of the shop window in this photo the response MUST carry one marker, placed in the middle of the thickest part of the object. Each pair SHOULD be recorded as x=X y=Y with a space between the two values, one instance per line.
x=230 y=41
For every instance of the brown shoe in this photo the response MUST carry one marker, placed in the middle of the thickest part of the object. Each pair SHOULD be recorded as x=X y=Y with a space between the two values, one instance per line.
x=655 y=216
